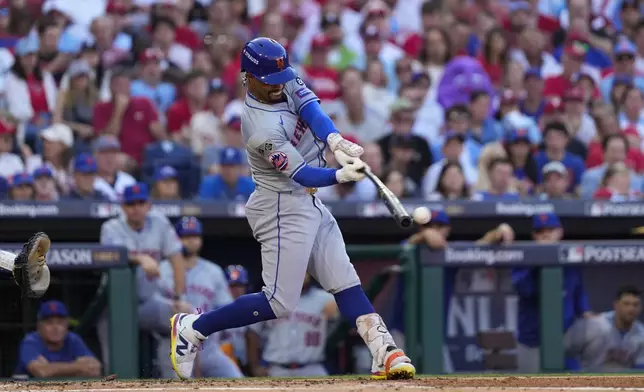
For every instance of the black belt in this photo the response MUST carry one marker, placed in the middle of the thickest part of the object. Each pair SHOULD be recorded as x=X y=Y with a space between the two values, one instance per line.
x=292 y=365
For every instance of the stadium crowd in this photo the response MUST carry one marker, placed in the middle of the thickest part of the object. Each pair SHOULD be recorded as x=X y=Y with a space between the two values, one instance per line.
x=452 y=99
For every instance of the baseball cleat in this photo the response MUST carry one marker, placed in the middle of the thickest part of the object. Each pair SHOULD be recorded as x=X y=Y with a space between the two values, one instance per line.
x=398 y=366
x=184 y=344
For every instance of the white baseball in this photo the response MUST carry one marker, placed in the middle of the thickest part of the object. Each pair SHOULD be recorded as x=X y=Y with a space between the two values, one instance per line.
x=422 y=215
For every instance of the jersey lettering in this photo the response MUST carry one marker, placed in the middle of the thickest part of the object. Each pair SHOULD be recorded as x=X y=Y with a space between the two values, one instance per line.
x=300 y=129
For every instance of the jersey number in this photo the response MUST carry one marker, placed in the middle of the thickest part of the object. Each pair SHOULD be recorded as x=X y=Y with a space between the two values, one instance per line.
x=312 y=339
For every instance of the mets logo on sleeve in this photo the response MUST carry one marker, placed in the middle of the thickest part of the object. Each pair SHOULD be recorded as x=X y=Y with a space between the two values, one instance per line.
x=279 y=160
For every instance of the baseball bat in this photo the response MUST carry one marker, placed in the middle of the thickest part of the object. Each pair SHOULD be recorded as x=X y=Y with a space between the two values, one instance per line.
x=400 y=214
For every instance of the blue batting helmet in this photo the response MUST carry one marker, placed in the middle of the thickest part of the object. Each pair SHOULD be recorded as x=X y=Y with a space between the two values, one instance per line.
x=267 y=60
x=236 y=274
x=188 y=226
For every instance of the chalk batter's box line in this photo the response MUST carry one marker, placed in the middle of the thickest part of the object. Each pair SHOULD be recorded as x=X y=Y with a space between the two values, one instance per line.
x=344 y=387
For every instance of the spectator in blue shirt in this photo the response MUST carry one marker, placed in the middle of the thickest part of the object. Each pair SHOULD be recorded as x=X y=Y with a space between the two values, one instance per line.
x=623 y=65
x=457 y=119
x=229 y=184
x=149 y=84
x=53 y=351
x=556 y=139
x=84 y=176
x=500 y=173
x=483 y=127
x=534 y=103
x=166 y=184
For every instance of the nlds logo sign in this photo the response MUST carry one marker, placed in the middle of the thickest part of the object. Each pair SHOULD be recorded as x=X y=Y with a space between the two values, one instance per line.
x=69 y=257
x=602 y=254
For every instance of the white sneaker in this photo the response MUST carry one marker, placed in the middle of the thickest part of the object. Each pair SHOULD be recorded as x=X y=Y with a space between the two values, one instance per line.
x=184 y=344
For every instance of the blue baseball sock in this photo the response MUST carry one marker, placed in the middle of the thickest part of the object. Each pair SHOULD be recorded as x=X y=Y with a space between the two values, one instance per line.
x=353 y=303
x=247 y=309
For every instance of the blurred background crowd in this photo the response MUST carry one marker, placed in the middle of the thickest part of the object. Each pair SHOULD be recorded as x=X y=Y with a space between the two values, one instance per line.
x=452 y=99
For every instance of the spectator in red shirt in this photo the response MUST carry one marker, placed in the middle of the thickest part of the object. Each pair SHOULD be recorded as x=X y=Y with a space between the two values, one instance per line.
x=494 y=55
x=179 y=12
x=134 y=120
x=195 y=93
x=322 y=79
x=571 y=61
x=634 y=157
x=616 y=185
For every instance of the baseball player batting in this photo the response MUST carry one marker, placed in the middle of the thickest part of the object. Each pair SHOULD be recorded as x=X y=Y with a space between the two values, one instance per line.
x=294 y=346
x=28 y=269
x=207 y=289
x=286 y=133
x=613 y=341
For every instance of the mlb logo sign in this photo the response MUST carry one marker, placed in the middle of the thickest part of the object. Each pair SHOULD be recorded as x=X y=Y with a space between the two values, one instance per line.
x=571 y=254
x=279 y=160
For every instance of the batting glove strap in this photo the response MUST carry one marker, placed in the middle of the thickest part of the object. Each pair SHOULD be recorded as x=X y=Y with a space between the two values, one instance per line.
x=337 y=143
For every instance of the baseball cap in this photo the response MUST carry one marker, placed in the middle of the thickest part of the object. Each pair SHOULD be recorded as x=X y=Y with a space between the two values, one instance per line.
x=165 y=173
x=85 y=163
x=533 y=72
x=519 y=6
x=188 y=226
x=509 y=97
x=515 y=135
x=52 y=309
x=577 y=49
x=6 y=127
x=136 y=193
x=624 y=46
x=21 y=179
x=553 y=106
x=574 y=94
x=58 y=133
x=217 y=86
x=107 y=142
x=43 y=171
x=548 y=220
x=320 y=41
x=451 y=135
x=554 y=167
x=234 y=123
x=27 y=45
x=236 y=274
x=79 y=67
x=150 y=54
x=329 y=19
x=230 y=156
x=440 y=217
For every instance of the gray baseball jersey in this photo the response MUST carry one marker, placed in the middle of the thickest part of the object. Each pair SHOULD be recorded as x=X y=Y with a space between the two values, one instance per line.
x=299 y=338
x=278 y=141
x=296 y=231
x=600 y=346
x=158 y=239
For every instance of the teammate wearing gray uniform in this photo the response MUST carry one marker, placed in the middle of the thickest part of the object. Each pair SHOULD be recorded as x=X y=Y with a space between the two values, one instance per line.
x=286 y=134
x=149 y=237
x=612 y=341
x=294 y=346
x=207 y=289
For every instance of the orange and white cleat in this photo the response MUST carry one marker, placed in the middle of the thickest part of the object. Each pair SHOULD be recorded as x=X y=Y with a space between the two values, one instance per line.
x=397 y=366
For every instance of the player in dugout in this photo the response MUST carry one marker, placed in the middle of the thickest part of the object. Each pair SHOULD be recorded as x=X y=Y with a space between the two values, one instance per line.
x=149 y=237
x=546 y=229
x=434 y=231
x=614 y=340
x=207 y=289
